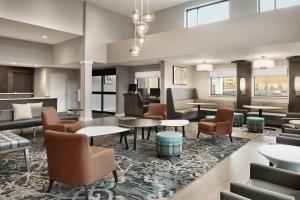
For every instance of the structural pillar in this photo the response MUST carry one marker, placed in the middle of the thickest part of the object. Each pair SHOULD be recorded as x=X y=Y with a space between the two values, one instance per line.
x=86 y=68
x=294 y=71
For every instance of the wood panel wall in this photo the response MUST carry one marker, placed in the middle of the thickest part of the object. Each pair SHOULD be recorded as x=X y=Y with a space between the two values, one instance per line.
x=16 y=79
x=294 y=70
x=243 y=70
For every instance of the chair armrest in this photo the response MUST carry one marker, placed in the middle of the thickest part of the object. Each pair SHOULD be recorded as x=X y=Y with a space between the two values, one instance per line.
x=256 y=193
x=288 y=140
x=224 y=127
x=275 y=175
x=292 y=131
x=231 y=196
x=290 y=135
x=56 y=127
x=67 y=121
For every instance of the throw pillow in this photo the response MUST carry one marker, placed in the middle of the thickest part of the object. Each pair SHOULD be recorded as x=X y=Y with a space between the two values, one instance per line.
x=36 y=109
x=22 y=111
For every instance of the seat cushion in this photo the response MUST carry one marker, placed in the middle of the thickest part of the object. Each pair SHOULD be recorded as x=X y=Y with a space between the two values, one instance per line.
x=207 y=126
x=275 y=188
x=9 y=140
x=187 y=110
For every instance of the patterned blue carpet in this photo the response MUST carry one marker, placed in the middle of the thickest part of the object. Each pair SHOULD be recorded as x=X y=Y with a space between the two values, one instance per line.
x=141 y=174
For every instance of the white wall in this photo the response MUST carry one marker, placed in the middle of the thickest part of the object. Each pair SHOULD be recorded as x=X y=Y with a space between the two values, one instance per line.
x=63 y=15
x=102 y=27
x=24 y=53
x=42 y=83
x=69 y=52
x=166 y=73
x=174 y=17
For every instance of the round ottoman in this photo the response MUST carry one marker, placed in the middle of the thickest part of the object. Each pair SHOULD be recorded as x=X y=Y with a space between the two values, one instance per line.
x=255 y=124
x=168 y=143
x=238 y=119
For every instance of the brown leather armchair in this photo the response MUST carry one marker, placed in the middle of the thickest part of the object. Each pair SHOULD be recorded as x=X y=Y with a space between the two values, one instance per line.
x=52 y=122
x=220 y=125
x=156 y=111
x=72 y=161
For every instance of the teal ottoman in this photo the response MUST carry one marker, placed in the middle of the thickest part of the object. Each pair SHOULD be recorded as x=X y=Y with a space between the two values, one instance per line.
x=255 y=124
x=238 y=119
x=168 y=143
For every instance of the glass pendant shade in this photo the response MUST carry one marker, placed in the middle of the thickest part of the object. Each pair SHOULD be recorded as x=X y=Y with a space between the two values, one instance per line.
x=135 y=51
x=142 y=28
x=263 y=63
x=135 y=16
x=149 y=16
x=204 y=67
x=141 y=41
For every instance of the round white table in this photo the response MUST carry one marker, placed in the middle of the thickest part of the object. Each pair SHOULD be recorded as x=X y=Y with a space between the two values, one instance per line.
x=296 y=123
x=199 y=104
x=175 y=123
x=94 y=131
x=282 y=156
x=261 y=108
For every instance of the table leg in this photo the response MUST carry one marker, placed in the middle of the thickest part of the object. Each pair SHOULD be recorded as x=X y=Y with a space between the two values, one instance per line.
x=27 y=162
x=176 y=129
x=149 y=131
x=143 y=131
x=125 y=139
x=121 y=138
x=156 y=129
x=199 y=108
x=92 y=141
x=183 y=131
x=260 y=112
x=134 y=140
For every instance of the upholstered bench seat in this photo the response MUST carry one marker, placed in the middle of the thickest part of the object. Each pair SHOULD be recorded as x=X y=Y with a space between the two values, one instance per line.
x=238 y=119
x=10 y=142
x=169 y=143
x=255 y=124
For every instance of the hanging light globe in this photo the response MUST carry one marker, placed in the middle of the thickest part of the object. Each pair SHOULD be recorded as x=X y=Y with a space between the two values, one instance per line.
x=135 y=51
x=141 y=41
x=135 y=16
x=263 y=63
x=142 y=28
x=149 y=16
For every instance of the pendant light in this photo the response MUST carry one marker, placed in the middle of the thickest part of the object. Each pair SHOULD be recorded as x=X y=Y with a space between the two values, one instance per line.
x=142 y=27
x=135 y=50
x=204 y=67
x=148 y=15
x=141 y=41
x=263 y=63
x=135 y=14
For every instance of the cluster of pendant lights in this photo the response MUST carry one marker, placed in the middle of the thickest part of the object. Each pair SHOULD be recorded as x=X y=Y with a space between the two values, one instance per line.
x=140 y=20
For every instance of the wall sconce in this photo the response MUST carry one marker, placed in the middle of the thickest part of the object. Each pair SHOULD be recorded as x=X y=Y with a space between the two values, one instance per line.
x=297 y=85
x=243 y=86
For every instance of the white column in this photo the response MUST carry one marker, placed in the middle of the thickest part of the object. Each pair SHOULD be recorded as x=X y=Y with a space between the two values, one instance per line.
x=86 y=90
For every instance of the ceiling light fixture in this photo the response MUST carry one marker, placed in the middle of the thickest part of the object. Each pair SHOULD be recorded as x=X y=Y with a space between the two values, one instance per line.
x=263 y=63
x=45 y=37
x=204 y=67
x=140 y=20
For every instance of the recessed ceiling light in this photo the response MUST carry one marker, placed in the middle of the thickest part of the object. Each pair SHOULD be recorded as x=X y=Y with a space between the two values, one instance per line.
x=45 y=37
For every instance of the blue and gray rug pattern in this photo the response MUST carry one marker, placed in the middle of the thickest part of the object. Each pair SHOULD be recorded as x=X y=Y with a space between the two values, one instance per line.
x=141 y=174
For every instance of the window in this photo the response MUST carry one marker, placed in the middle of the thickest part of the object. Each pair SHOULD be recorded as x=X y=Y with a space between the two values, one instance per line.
x=147 y=80
x=267 y=5
x=223 y=86
x=271 y=82
x=207 y=14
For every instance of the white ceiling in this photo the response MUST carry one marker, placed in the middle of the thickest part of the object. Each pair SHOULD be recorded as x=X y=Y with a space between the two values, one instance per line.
x=28 y=32
x=125 y=7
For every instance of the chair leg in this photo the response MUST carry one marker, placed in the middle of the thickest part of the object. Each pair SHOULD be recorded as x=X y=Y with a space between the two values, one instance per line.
x=198 y=134
x=115 y=175
x=50 y=185
x=230 y=138
x=86 y=192
x=149 y=131
x=156 y=129
x=34 y=131
x=143 y=133
x=27 y=162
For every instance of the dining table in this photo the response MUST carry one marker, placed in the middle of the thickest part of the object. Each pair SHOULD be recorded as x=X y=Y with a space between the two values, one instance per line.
x=199 y=104
x=261 y=108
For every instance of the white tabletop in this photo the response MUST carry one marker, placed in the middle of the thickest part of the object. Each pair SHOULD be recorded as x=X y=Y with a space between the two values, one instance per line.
x=202 y=104
x=263 y=107
x=174 y=122
x=295 y=122
x=282 y=156
x=101 y=130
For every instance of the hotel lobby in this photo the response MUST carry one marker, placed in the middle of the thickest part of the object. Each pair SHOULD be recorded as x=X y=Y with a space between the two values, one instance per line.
x=149 y=99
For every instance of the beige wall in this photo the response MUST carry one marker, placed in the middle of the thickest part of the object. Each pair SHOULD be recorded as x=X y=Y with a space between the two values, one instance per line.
x=122 y=87
x=63 y=15
x=102 y=27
